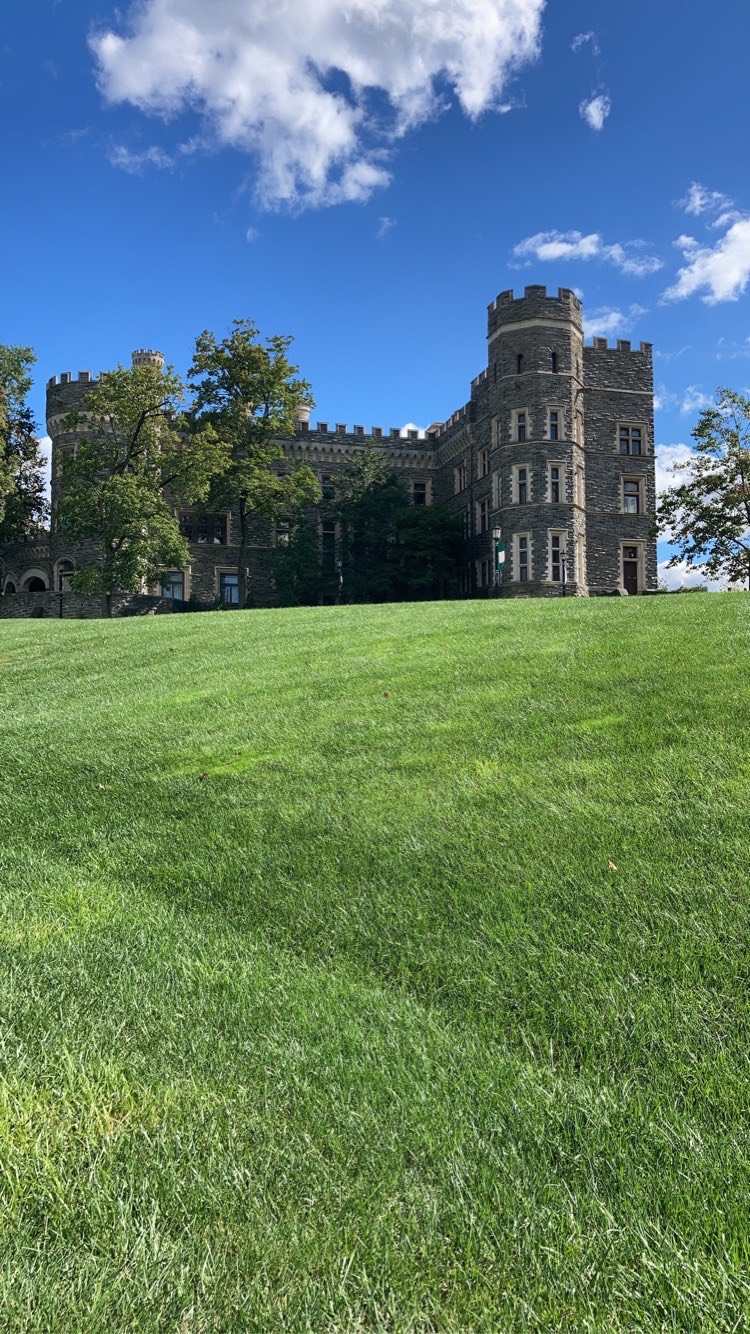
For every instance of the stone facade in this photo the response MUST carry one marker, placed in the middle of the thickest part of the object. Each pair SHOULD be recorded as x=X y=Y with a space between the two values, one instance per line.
x=551 y=462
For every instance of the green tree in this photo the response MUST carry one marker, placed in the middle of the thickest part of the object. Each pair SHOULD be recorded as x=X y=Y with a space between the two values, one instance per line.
x=23 y=506
x=138 y=457
x=297 y=566
x=708 y=514
x=250 y=393
x=391 y=550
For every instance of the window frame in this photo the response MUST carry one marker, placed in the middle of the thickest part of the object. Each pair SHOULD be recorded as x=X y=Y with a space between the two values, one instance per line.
x=516 y=484
x=561 y=500
x=638 y=496
x=518 y=538
x=560 y=411
x=514 y=426
x=630 y=426
x=561 y=534
x=459 y=478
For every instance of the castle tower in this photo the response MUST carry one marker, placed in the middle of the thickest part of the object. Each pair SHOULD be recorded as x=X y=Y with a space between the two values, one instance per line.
x=65 y=395
x=146 y=356
x=536 y=400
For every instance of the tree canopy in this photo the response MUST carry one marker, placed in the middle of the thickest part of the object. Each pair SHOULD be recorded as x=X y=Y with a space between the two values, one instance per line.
x=23 y=505
x=137 y=456
x=707 y=515
x=250 y=394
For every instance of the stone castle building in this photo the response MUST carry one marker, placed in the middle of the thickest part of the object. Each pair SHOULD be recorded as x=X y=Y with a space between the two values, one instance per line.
x=550 y=464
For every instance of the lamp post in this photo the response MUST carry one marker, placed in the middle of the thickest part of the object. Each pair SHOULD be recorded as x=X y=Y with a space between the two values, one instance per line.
x=498 y=547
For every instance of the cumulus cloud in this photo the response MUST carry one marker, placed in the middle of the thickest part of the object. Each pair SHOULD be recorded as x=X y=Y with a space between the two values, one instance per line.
x=251 y=235
x=609 y=322
x=554 y=246
x=595 y=109
x=668 y=457
x=136 y=163
x=683 y=575
x=718 y=273
x=293 y=83
x=385 y=225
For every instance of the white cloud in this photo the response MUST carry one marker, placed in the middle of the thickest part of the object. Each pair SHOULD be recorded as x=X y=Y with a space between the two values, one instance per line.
x=582 y=39
x=700 y=200
x=694 y=400
x=595 y=109
x=667 y=458
x=609 y=322
x=412 y=426
x=683 y=575
x=727 y=349
x=385 y=225
x=135 y=163
x=261 y=77
x=554 y=246
x=720 y=272
x=251 y=235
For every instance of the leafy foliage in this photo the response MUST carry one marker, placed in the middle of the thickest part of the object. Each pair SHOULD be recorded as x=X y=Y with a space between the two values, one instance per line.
x=138 y=456
x=249 y=393
x=22 y=499
x=708 y=514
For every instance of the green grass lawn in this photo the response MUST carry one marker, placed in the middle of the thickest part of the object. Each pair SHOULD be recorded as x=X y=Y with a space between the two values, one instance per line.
x=377 y=969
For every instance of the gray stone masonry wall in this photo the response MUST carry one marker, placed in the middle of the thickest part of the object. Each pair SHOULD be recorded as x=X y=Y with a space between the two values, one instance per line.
x=80 y=606
x=536 y=363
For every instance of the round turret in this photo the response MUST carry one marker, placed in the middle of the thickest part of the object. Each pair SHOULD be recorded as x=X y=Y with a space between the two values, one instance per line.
x=146 y=356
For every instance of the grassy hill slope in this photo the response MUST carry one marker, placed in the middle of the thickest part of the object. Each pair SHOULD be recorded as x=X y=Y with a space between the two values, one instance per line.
x=377 y=969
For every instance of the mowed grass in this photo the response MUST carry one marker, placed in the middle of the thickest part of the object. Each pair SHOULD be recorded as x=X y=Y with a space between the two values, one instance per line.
x=377 y=969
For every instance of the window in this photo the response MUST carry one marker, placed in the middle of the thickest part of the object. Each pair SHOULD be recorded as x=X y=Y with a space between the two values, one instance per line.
x=521 y=422
x=467 y=521
x=522 y=557
x=204 y=528
x=459 y=478
x=556 y=557
x=521 y=484
x=483 y=573
x=173 y=585
x=482 y=515
x=328 y=488
x=631 y=439
x=229 y=590
x=631 y=495
x=519 y=363
x=483 y=462
x=553 y=360
x=419 y=493
x=328 y=547
x=283 y=531
x=553 y=424
x=496 y=491
x=555 y=483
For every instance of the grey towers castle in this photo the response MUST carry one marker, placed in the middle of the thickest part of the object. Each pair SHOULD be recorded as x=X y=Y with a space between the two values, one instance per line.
x=551 y=464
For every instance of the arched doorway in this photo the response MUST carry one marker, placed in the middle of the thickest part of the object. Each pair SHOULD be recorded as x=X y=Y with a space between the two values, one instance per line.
x=9 y=587
x=34 y=582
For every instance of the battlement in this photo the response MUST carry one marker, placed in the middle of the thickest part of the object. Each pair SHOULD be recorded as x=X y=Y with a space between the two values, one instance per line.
x=67 y=377
x=147 y=356
x=536 y=292
x=360 y=433
x=621 y=345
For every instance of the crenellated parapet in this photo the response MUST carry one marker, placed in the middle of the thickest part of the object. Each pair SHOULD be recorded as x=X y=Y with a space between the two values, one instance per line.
x=536 y=304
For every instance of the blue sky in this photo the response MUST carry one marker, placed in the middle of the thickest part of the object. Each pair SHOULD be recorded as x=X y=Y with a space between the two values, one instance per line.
x=368 y=178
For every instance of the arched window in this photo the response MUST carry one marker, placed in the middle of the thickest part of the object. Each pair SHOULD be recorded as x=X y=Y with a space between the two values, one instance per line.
x=10 y=587
x=553 y=360
x=35 y=585
x=519 y=363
